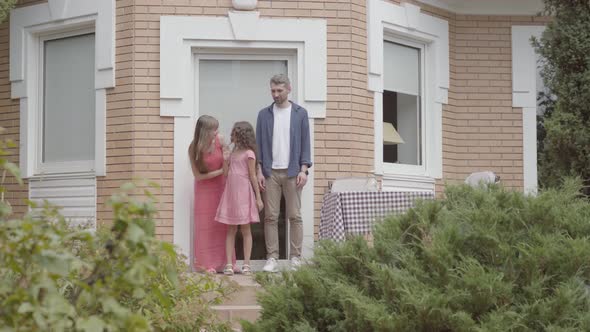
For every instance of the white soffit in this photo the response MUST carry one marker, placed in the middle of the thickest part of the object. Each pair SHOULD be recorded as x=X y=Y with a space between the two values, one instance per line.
x=488 y=7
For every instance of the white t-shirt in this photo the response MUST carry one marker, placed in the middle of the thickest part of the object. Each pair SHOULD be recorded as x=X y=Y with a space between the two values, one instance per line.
x=281 y=137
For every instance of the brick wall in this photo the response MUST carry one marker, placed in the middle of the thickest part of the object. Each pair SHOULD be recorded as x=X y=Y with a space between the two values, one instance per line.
x=344 y=140
x=481 y=130
x=119 y=114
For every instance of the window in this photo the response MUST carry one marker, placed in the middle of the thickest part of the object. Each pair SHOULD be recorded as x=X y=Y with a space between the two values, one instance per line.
x=67 y=94
x=244 y=78
x=402 y=104
x=408 y=71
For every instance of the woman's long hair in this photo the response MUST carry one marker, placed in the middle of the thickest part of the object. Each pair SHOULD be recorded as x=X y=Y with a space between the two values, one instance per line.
x=244 y=137
x=206 y=124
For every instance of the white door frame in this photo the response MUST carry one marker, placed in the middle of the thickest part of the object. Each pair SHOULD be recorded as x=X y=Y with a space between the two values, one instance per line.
x=180 y=35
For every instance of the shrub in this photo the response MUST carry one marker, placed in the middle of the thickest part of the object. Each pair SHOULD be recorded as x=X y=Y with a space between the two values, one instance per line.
x=478 y=260
x=54 y=277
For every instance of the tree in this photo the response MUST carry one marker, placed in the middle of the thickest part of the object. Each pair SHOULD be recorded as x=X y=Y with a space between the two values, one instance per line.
x=5 y=7
x=565 y=49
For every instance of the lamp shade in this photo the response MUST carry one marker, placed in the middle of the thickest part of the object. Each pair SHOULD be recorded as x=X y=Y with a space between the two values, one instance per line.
x=390 y=135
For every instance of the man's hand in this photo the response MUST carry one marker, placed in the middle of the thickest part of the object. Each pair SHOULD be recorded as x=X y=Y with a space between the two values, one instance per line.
x=261 y=182
x=301 y=179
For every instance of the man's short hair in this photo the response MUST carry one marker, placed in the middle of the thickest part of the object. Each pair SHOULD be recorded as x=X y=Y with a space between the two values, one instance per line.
x=280 y=79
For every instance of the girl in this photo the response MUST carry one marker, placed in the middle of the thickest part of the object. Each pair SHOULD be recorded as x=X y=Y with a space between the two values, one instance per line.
x=206 y=153
x=241 y=201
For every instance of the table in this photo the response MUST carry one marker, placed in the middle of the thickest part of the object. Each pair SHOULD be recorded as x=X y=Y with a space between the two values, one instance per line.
x=354 y=212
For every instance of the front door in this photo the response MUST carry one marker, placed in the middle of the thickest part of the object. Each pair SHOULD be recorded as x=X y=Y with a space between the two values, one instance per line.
x=234 y=88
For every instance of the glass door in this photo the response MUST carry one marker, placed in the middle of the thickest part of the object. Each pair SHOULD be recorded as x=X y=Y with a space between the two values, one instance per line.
x=235 y=88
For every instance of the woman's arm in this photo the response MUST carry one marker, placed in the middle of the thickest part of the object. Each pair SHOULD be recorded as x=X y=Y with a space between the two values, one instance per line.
x=226 y=154
x=203 y=176
x=225 y=169
x=254 y=182
x=224 y=147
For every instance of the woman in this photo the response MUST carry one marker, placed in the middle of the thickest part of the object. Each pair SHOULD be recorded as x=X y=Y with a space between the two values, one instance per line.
x=206 y=153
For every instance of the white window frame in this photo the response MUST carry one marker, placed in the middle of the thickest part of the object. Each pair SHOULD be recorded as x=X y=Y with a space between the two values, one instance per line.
x=398 y=168
x=27 y=26
x=387 y=20
x=80 y=166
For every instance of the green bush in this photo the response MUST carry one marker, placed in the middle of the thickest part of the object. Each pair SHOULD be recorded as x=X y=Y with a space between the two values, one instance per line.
x=5 y=7
x=478 y=260
x=54 y=277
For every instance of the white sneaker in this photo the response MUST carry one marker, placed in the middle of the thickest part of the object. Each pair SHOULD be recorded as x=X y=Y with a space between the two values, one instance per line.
x=295 y=263
x=271 y=265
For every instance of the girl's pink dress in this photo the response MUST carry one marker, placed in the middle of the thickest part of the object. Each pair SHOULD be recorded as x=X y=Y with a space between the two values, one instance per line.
x=210 y=235
x=238 y=202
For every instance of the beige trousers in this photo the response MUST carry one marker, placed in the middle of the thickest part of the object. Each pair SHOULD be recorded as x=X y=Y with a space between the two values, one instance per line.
x=277 y=185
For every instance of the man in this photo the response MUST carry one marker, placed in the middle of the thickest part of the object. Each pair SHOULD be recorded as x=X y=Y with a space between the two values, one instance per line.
x=282 y=136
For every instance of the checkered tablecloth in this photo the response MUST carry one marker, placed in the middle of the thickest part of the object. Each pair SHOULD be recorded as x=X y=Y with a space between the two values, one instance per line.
x=355 y=212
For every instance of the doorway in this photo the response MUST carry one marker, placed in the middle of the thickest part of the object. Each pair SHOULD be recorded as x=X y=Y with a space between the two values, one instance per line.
x=235 y=87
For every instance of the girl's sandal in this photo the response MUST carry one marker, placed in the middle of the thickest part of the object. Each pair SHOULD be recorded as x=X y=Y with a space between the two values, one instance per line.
x=246 y=270
x=211 y=271
x=228 y=270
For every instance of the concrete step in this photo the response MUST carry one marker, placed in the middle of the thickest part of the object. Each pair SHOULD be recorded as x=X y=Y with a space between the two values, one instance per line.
x=246 y=293
x=235 y=313
x=242 y=303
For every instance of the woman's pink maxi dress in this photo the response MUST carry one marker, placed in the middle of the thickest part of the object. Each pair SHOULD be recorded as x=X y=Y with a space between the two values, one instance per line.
x=238 y=203
x=209 y=234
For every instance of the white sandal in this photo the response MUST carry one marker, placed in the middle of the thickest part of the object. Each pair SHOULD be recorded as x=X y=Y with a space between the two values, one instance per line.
x=228 y=270
x=246 y=270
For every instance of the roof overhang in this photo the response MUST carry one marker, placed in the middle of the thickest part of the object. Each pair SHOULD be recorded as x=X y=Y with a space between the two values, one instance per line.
x=487 y=7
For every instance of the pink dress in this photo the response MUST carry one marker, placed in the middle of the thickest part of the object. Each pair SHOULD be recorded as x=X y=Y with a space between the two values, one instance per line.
x=238 y=202
x=209 y=235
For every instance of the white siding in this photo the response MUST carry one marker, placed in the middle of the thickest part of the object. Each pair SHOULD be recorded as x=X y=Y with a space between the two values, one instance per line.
x=75 y=196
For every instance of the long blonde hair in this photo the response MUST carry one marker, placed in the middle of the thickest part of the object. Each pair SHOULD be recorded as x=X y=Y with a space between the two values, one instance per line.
x=205 y=125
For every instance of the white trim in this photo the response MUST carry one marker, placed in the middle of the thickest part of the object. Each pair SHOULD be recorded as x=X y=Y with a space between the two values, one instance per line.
x=238 y=34
x=524 y=95
x=529 y=150
x=407 y=22
x=74 y=194
x=77 y=166
x=524 y=65
x=487 y=7
x=407 y=183
x=178 y=34
x=27 y=25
